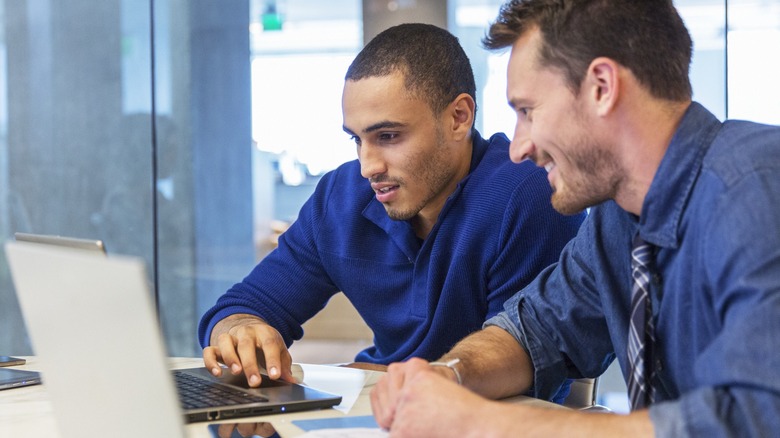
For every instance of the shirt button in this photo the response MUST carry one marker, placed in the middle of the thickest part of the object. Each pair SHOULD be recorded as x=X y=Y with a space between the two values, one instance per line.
x=658 y=364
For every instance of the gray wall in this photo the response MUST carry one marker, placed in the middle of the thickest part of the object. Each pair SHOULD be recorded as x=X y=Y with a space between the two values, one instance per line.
x=378 y=15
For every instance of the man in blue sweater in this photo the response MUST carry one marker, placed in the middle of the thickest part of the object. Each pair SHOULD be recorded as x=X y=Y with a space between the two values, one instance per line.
x=427 y=233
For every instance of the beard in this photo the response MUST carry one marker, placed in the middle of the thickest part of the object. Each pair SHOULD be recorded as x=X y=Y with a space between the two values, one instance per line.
x=433 y=172
x=595 y=178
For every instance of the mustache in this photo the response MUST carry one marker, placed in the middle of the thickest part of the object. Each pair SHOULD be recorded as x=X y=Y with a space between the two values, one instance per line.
x=540 y=157
x=385 y=179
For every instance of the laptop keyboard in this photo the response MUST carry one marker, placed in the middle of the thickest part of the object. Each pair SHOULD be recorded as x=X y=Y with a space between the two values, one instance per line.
x=195 y=393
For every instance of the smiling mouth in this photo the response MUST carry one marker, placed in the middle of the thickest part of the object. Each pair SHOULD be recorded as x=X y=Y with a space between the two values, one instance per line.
x=386 y=189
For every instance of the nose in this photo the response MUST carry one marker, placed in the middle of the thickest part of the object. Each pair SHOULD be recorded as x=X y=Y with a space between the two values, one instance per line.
x=371 y=162
x=521 y=146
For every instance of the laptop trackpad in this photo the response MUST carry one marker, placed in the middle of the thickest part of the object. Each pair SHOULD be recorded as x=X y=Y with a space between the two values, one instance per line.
x=236 y=380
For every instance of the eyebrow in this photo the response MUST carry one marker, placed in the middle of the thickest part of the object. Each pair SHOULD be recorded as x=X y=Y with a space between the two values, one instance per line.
x=516 y=102
x=376 y=126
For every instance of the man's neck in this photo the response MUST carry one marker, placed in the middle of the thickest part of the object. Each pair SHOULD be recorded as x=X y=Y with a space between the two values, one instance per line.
x=652 y=126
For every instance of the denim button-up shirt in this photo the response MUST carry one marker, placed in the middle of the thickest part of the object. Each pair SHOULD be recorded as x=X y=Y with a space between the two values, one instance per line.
x=713 y=212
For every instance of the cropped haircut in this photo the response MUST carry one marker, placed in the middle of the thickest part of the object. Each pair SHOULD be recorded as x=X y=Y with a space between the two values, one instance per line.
x=434 y=65
x=646 y=36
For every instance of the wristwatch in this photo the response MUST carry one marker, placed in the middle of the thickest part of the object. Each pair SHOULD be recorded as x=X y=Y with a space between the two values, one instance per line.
x=451 y=365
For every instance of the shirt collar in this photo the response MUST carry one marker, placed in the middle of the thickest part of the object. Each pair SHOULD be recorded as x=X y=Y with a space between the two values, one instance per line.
x=676 y=177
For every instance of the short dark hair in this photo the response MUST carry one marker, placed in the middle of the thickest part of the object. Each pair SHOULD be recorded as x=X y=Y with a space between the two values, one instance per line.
x=646 y=36
x=435 y=67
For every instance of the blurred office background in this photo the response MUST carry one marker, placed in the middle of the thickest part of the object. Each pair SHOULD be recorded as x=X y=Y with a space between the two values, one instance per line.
x=189 y=132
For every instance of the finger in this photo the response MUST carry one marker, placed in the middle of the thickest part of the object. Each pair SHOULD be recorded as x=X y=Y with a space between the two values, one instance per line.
x=389 y=390
x=227 y=349
x=376 y=406
x=277 y=358
x=225 y=430
x=246 y=429
x=211 y=360
x=286 y=367
x=264 y=429
x=247 y=351
x=383 y=402
x=397 y=375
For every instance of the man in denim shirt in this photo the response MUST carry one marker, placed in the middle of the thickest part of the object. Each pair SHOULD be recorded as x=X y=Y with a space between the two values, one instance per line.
x=603 y=101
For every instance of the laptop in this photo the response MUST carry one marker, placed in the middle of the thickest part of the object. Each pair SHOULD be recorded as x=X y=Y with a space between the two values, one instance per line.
x=94 y=329
x=68 y=242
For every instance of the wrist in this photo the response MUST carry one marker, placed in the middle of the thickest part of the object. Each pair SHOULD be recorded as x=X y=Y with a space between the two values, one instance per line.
x=452 y=365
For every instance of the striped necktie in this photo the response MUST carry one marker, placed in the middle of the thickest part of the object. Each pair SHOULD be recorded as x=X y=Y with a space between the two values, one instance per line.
x=641 y=330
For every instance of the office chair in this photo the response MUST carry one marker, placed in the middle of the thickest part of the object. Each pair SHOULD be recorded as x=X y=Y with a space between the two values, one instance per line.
x=583 y=396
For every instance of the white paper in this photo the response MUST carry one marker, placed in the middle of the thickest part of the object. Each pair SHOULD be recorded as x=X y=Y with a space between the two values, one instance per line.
x=346 y=382
x=357 y=432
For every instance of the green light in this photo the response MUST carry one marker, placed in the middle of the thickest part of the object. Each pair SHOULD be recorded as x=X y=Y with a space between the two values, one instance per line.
x=271 y=19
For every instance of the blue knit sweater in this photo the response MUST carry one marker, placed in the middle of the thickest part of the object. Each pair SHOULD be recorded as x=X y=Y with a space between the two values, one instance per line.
x=495 y=232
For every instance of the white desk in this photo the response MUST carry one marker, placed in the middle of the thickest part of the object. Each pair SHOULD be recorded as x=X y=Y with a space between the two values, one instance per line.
x=28 y=412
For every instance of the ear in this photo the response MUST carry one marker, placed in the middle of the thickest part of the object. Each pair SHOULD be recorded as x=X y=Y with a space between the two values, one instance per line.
x=602 y=85
x=461 y=112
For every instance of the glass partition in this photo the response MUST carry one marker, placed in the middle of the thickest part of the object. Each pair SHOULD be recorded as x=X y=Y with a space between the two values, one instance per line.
x=75 y=130
x=123 y=121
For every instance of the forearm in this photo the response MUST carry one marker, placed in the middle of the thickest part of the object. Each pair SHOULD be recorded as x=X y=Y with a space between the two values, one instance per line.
x=235 y=320
x=492 y=363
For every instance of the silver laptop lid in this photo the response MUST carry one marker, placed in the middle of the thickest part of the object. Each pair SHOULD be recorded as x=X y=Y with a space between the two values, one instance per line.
x=93 y=327
x=67 y=242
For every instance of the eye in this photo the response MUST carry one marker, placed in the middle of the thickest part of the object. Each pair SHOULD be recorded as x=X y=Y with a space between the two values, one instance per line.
x=524 y=113
x=387 y=136
x=356 y=139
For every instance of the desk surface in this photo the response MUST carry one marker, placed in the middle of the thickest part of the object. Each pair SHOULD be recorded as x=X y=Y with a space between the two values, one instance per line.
x=28 y=412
